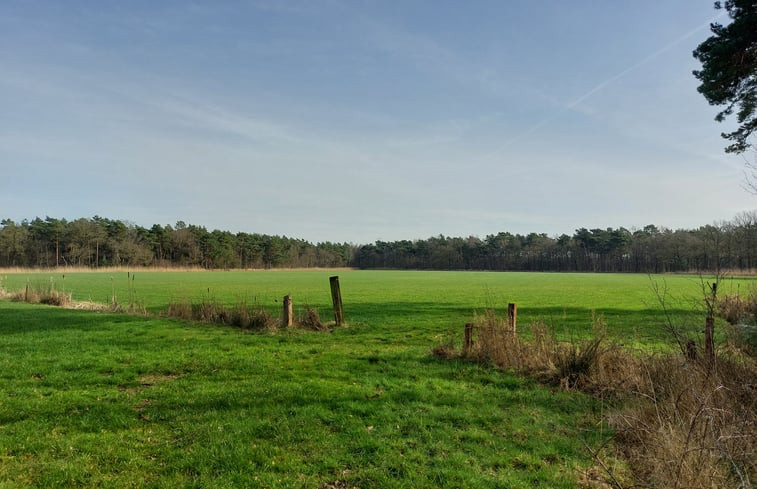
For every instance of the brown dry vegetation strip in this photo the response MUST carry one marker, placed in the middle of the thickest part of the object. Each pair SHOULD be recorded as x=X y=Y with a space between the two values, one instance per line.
x=679 y=422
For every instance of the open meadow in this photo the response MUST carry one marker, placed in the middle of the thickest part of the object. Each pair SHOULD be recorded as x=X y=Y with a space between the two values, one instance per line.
x=91 y=399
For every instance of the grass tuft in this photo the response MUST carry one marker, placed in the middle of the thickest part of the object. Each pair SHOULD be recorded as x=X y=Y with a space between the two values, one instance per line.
x=262 y=320
x=310 y=319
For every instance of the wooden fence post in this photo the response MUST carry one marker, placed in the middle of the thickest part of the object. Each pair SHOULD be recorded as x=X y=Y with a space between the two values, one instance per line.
x=512 y=316
x=468 y=341
x=287 y=318
x=336 y=298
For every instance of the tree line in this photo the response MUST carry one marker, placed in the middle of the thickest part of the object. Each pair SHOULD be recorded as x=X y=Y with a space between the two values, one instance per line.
x=101 y=242
x=730 y=245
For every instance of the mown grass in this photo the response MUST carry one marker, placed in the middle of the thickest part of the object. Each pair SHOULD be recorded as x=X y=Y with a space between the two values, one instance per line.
x=91 y=399
x=425 y=302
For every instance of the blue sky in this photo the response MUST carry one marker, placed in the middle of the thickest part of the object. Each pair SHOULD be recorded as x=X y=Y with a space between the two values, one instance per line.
x=357 y=121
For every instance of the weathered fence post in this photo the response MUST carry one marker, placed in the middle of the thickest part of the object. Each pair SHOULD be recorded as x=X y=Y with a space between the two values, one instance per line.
x=287 y=318
x=336 y=298
x=512 y=316
x=468 y=340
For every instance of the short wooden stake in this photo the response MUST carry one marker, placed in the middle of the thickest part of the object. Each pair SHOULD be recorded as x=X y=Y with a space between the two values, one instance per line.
x=512 y=316
x=336 y=298
x=691 y=350
x=468 y=341
x=287 y=318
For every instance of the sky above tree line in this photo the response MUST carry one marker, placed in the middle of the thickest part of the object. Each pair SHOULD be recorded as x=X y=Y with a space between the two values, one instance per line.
x=359 y=120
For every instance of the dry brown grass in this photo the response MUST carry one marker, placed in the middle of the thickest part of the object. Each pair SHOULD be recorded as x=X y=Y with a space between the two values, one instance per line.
x=50 y=296
x=42 y=295
x=682 y=423
x=211 y=311
x=311 y=319
x=180 y=310
x=595 y=365
x=690 y=425
x=740 y=311
x=736 y=308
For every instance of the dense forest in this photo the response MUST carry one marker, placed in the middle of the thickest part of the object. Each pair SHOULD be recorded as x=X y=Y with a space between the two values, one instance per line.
x=729 y=245
x=99 y=242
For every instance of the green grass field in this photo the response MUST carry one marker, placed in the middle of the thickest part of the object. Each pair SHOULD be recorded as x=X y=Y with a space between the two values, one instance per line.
x=94 y=399
x=423 y=300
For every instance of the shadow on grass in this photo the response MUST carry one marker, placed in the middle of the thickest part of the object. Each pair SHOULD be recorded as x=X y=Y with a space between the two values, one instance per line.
x=380 y=320
x=22 y=318
x=566 y=322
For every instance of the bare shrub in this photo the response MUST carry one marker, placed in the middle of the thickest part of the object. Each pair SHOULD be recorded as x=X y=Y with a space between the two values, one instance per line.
x=260 y=319
x=310 y=319
x=494 y=342
x=690 y=426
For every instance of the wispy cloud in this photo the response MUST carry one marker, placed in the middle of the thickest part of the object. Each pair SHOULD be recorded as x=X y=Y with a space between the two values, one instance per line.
x=575 y=104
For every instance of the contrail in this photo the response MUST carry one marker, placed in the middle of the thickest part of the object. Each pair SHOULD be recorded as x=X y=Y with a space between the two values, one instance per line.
x=610 y=80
